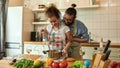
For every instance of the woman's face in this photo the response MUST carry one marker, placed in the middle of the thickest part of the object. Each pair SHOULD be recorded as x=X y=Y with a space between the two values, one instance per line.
x=54 y=21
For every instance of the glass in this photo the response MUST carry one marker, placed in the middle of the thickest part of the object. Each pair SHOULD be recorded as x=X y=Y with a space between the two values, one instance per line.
x=82 y=52
x=29 y=50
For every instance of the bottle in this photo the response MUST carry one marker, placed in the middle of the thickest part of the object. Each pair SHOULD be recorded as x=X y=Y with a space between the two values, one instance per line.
x=36 y=36
x=91 y=2
x=44 y=35
x=43 y=38
x=101 y=43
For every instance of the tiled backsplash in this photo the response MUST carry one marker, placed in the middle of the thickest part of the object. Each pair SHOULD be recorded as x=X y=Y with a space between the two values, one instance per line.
x=102 y=22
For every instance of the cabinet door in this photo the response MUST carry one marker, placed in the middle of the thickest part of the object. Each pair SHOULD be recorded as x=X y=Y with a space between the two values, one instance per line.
x=14 y=24
x=88 y=52
x=35 y=49
x=115 y=54
x=15 y=2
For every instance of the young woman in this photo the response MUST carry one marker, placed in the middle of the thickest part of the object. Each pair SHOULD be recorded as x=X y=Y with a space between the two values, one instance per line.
x=58 y=34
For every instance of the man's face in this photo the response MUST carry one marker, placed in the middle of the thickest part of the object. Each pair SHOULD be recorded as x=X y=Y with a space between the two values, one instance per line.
x=69 y=19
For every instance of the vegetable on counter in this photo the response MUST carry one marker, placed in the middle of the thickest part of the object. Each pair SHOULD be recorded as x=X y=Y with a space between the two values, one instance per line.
x=38 y=64
x=78 y=64
x=25 y=63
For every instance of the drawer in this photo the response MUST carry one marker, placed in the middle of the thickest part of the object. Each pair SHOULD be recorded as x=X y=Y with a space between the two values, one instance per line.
x=115 y=50
x=36 y=49
x=115 y=57
x=88 y=52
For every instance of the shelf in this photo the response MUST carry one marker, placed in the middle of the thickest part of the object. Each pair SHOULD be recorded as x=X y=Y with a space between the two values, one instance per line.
x=84 y=7
x=40 y=23
x=80 y=7
x=90 y=6
x=39 y=10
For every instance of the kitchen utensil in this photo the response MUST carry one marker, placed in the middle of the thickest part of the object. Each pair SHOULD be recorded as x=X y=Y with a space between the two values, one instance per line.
x=106 y=55
x=107 y=46
x=45 y=52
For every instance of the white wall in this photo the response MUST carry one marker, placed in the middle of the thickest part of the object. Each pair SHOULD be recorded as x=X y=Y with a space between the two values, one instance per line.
x=104 y=21
x=101 y=22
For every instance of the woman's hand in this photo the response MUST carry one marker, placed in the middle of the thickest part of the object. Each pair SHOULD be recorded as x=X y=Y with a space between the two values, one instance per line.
x=64 y=52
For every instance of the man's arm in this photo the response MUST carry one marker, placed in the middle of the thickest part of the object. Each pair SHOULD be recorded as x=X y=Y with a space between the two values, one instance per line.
x=77 y=39
x=82 y=33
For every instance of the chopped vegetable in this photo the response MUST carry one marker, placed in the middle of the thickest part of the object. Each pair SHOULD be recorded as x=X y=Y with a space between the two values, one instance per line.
x=78 y=64
x=24 y=63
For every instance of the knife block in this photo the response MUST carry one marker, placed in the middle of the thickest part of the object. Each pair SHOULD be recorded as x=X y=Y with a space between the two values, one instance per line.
x=97 y=60
x=104 y=64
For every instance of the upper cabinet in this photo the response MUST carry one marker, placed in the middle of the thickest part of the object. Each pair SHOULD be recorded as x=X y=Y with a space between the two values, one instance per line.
x=15 y=3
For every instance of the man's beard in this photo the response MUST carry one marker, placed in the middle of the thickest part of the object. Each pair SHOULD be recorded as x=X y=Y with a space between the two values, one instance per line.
x=69 y=23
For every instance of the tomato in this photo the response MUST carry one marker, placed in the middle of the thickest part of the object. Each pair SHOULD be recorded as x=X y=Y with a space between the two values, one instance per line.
x=55 y=65
x=118 y=65
x=113 y=64
x=63 y=64
x=50 y=63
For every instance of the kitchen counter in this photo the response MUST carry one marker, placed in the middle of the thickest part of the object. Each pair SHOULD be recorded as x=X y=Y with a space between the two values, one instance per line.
x=112 y=45
x=93 y=44
x=4 y=63
x=34 y=42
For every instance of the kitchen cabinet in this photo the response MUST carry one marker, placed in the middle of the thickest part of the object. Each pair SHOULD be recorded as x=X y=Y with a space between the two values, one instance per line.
x=35 y=48
x=114 y=55
x=15 y=3
x=88 y=52
x=87 y=48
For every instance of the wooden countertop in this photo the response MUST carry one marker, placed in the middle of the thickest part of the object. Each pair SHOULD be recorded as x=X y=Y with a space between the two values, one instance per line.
x=112 y=45
x=34 y=42
x=4 y=63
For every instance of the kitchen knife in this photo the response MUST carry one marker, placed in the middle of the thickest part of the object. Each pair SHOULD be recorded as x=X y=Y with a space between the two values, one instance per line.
x=45 y=52
x=106 y=55
x=107 y=46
